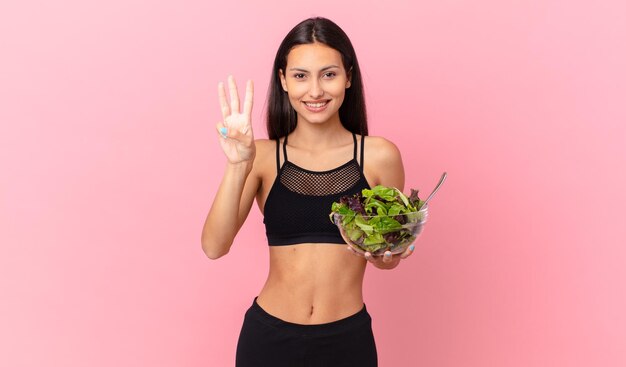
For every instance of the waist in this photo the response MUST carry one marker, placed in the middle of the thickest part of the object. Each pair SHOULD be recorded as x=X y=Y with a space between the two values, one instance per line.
x=313 y=283
x=336 y=326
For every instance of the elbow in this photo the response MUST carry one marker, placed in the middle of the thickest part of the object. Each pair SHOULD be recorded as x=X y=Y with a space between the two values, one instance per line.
x=213 y=255
x=213 y=251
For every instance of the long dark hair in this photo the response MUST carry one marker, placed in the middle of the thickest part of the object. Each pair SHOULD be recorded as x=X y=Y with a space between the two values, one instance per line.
x=281 y=117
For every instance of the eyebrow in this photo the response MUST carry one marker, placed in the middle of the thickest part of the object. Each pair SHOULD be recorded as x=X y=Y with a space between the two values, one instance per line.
x=322 y=69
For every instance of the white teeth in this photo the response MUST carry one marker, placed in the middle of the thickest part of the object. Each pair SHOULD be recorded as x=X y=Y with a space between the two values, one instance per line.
x=316 y=105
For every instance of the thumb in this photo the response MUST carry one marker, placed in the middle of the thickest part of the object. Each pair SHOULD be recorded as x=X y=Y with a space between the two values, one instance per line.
x=221 y=129
x=229 y=133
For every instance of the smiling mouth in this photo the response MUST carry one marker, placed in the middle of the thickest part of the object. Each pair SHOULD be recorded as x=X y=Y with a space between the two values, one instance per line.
x=316 y=104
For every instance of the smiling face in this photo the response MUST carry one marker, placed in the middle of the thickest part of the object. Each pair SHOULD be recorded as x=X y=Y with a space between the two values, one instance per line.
x=316 y=81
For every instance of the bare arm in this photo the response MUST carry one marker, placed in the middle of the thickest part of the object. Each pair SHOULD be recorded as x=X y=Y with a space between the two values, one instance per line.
x=240 y=183
x=384 y=167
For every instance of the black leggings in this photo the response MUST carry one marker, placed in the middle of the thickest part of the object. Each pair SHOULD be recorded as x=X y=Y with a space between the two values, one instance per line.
x=267 y=341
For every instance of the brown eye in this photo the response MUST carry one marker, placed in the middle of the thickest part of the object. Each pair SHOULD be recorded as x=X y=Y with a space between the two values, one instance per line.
x=298 y=76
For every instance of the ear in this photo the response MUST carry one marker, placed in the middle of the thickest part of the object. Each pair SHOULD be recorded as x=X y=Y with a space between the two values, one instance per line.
x=282 y=79
x=349 y=82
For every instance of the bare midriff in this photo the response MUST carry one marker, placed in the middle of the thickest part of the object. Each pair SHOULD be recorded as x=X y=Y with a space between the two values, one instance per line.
x=313 y=283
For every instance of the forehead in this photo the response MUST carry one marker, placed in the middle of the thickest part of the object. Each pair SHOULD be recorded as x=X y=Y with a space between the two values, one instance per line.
x=313 y=56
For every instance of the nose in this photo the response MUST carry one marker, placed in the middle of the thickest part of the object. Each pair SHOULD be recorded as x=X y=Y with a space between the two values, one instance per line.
x=316 y=90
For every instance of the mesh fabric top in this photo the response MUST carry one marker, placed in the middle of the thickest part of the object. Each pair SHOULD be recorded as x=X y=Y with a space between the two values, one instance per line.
x=299 y=203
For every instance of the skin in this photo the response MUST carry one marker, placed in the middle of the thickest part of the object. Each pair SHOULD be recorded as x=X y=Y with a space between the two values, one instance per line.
x=309 y=283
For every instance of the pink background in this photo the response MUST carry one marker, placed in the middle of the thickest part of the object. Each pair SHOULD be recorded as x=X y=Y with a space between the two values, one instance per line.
x=109 y=163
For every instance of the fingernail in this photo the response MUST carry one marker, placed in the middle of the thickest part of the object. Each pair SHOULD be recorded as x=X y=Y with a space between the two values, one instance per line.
x=412 y=247
x=223 y=131
x=388 y=254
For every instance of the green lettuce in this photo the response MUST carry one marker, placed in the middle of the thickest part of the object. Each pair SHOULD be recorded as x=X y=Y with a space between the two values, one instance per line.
x=377 y=218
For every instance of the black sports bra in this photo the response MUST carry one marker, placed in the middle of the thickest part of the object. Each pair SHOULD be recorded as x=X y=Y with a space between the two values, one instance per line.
x=299 y=202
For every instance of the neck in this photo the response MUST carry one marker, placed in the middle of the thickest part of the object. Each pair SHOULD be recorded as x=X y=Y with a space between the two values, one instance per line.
x=319 y=135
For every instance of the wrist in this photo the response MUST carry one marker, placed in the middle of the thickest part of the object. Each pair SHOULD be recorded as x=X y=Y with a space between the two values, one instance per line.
x=243 y=166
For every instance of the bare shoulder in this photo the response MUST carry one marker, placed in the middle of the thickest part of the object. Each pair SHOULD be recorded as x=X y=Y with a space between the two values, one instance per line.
x=381 y=150
x=265 y=145
x=383 y=162
x=265 y=155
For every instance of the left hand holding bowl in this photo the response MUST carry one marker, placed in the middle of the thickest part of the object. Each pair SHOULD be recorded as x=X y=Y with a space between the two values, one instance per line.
x=387 y=261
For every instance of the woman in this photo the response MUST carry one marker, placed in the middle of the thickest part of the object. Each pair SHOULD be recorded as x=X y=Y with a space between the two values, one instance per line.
x=310 y=311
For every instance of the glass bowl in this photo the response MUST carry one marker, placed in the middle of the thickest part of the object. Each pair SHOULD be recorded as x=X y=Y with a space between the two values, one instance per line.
x=380 y=233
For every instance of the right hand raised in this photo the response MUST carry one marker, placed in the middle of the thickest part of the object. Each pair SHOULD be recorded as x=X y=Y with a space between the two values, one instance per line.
x=235 y=131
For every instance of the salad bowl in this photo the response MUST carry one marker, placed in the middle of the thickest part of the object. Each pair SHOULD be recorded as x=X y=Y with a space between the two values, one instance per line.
x=380 y=233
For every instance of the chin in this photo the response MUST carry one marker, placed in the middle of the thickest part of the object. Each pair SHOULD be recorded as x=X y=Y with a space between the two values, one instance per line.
x=317 y=117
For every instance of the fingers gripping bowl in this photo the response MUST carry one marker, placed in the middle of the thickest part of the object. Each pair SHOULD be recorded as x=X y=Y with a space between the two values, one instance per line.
x=379 y=220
